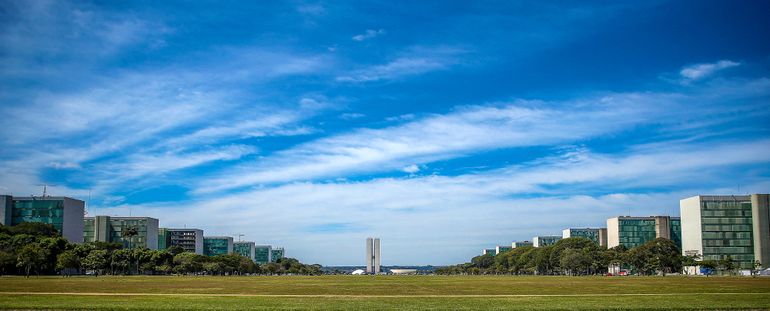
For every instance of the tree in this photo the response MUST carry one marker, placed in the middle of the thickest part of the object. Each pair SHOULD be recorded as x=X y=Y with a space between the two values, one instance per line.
x=188 y=263
x=7 y=261
x=583 y=244
x=97 y=260
x=576 y=261
x=34 y=228
x=67 y=260
x=727 y=264
x=31 y=257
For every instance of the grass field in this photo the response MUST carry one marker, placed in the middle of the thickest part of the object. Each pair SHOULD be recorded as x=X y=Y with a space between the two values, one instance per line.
x=384 y=293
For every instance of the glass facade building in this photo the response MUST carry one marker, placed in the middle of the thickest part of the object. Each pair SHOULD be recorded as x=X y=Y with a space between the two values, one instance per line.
x=715 y=227
x=502 y=249
x=634 y=231
x=63 y=213
x=164 y=239
x=245 y=249
x=217 y=245
x=490 y=251
x=263 y=254
x=521 y=244
x=545 y=240
x=598 y=235
x=277 y=253
x=131 y=232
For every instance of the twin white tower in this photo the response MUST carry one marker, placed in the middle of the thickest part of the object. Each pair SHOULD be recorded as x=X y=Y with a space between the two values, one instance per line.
x=373 y=255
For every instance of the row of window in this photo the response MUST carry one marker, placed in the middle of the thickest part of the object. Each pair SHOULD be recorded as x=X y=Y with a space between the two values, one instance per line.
x=727 y=235
x=728 y=250
x=726 y=205
x=725 y=221
x=727 y=228
x=728 y=243
x=728 y=213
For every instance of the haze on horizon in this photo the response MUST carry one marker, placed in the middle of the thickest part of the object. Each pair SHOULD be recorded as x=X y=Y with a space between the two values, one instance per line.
x=439 y=127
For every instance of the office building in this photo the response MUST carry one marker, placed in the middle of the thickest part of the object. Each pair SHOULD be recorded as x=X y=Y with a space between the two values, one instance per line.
x=131 y=232
x=6 y=207
x=373 y=255
x=545 y=240
x=64 y=213
x=598 y=235
x=489 y=251
x=189 y=239
x=634 y=231
x=217 y=245
x=501 y=249
x=263 y=254
x=164 y=239
x=521 y=244
x=245 y=249
x=277 y=253
x=717 y=226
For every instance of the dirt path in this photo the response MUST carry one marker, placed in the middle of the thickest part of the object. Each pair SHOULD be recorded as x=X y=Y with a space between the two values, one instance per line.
x=364 y=296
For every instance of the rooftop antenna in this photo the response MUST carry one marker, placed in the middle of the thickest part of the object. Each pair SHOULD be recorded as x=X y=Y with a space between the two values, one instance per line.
x=45 y=188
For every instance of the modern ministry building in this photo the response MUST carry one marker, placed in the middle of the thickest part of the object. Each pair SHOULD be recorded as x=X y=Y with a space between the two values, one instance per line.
x=263 y=254
x=217 y=245
x=501 y=249
x=545 y=240
x=277 y=253
x=189 y=239
x=521 y=244
x=598 y=235
x=64 y=213
x=717 y=226
x=634 y=231
x=245 y=249
x=373 y=255
x=131 y=232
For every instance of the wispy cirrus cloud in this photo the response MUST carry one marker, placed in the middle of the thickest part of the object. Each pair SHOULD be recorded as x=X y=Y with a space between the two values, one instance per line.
x=369 y=34
x=416 y=61
x=699 y=71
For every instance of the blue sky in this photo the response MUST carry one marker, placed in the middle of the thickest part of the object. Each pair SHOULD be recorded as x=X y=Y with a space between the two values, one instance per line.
x=440 y=127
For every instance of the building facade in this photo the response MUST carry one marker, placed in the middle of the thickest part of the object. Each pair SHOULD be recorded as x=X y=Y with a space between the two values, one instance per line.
x=245 y=249
x=717 y=226
x=263 y=254
x=501 y=249
x=521 y=244
x=634 y=231
x=545 y=240
x=131 y=232
x=217 y=245
x=598 y=235
x=63 y=213
x=277 y=253
x=373 y=255
x=489 y=251
x=189 y=239
x=164 y=239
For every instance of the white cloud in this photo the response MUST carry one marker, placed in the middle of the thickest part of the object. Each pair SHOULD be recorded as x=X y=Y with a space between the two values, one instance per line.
x=699 y=71
x=411 y=169
x=369 y=34
x=414 y=62
x=351 y=116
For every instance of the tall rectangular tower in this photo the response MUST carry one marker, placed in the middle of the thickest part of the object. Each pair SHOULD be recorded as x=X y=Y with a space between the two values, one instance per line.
x=373 y=255
x=717 y=226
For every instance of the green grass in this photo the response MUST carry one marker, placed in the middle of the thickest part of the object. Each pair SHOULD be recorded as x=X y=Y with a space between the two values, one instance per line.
x=395 y=293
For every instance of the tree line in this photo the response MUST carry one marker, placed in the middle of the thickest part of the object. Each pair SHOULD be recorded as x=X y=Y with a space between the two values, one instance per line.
x=37 y=248
x=582 y=256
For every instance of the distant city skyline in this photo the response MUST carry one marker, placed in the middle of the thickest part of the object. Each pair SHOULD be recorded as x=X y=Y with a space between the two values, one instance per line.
x=442 y=128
